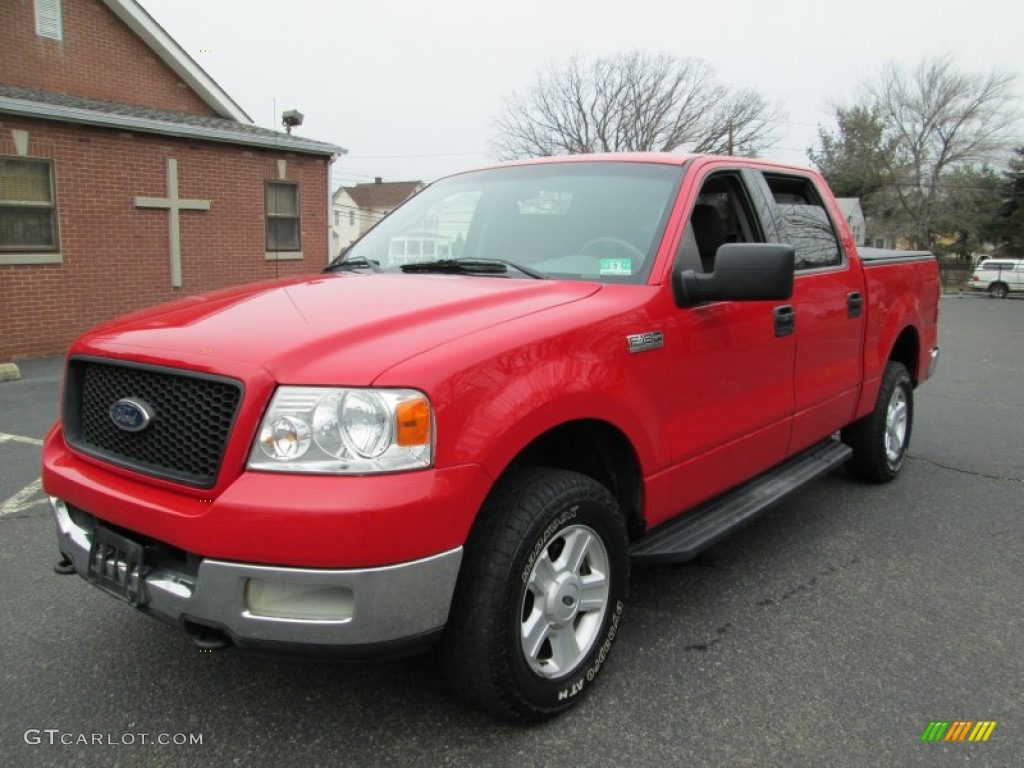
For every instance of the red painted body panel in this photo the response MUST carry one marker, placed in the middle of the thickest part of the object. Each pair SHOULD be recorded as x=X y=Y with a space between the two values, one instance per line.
x=725 y=424
x=829 y=368
x=328 y=329
x=503 y=361
x=283 y=519
x=899 y=296
x=495 y=392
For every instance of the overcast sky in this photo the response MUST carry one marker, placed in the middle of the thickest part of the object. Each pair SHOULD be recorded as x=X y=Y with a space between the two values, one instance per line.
x=411 y=88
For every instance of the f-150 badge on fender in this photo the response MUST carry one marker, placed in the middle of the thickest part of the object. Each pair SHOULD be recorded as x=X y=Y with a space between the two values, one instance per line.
x=641 y=342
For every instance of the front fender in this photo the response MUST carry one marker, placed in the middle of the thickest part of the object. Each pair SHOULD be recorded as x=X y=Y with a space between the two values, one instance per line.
x=523 y=412
x=493 y=399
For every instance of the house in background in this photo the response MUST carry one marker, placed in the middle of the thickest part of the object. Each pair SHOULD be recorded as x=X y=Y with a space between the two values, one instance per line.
x=356 y=209
x=129 y=177
x=854 y=215
x=877 y=237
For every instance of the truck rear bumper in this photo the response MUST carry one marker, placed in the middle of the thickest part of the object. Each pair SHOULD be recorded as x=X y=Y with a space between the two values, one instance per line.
x=933 y=362
x=266 y=606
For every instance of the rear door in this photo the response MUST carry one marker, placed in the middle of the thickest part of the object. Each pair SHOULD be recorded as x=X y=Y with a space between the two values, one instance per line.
x=828 y=302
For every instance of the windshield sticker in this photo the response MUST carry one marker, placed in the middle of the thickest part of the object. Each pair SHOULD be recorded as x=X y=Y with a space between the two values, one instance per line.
x=616 y=267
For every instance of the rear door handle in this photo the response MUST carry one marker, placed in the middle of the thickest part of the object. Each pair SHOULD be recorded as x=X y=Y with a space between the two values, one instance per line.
x=854 y=304
x=785 y=320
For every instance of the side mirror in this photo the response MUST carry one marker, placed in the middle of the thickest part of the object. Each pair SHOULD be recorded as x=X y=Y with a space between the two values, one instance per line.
x=743 y=272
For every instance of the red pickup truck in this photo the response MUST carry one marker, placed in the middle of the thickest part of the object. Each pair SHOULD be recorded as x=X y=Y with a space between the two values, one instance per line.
x=612 y=359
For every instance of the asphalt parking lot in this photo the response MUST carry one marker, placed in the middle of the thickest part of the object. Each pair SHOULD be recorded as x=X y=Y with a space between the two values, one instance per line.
x=831 y=632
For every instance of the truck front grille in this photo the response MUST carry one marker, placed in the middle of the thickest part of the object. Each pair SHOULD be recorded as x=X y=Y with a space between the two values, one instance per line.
x=192 y=415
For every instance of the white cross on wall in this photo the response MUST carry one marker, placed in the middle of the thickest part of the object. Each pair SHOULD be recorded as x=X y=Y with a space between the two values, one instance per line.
x=174 y=204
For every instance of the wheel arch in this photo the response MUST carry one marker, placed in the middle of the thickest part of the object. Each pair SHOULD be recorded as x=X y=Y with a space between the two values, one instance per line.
x=907 y=350
x=998 y=284
x=597 y=449
x=904 y=348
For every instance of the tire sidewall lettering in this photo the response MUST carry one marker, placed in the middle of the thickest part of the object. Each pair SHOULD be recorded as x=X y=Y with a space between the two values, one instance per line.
x=576 y=687
x=602 y=654
x=556 y=694
x=545 y=539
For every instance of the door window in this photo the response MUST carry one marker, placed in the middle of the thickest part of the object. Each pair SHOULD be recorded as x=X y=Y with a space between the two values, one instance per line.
x=722 y=214
x=803 y=222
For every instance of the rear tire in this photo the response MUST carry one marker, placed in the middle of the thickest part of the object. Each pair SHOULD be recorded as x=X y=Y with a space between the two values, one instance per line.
x=540 y=595
x=880 y=440
x=999 y=290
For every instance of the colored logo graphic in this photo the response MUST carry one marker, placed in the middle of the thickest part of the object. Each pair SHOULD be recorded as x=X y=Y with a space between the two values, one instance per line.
x=958 y=730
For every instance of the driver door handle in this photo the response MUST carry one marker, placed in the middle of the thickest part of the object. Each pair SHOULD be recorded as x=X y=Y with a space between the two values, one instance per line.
x=854 y=304
x=785 y=320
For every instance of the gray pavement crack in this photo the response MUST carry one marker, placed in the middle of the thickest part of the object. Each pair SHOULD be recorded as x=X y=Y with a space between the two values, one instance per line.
x=963 y=471
x=721 y=631
x=25 y=514
x=806 y=586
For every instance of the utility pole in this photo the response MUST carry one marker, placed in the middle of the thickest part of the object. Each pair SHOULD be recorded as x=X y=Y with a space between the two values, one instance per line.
x=730 y=139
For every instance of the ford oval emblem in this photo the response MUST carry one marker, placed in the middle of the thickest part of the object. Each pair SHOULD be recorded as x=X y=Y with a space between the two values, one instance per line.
x=130 y=415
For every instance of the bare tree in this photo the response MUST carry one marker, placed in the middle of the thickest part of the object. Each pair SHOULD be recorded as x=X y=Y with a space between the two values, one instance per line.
x=632 y=102
x=938 y=124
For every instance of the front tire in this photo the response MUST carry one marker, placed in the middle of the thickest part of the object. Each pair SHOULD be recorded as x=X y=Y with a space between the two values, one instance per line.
x=540 y=595
x=880 y=440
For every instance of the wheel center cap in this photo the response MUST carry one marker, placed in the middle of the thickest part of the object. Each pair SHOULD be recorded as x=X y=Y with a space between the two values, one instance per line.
x=563 y=599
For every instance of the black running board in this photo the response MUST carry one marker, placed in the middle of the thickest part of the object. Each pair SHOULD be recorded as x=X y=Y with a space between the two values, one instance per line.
x=686 y=537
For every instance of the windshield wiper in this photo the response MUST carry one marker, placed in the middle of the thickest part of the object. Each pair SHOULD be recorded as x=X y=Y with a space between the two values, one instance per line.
x=471 y=267
x=359 y=262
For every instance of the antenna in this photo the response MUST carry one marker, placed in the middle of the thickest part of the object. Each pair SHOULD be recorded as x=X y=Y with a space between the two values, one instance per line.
x=277 y=254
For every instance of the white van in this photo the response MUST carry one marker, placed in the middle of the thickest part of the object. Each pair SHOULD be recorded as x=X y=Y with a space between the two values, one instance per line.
x=998 y=276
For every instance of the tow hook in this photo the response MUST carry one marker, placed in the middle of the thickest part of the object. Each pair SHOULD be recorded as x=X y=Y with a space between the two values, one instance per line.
x=64 y=566
x=211 y=640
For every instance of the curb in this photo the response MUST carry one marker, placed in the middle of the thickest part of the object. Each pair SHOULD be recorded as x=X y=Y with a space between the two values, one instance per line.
x=9 y=372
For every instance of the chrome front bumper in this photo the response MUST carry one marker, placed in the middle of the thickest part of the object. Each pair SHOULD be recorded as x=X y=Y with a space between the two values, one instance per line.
x=386 y=605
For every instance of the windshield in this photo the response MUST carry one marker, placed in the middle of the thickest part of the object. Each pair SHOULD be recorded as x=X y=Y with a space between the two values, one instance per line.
x=592 y=221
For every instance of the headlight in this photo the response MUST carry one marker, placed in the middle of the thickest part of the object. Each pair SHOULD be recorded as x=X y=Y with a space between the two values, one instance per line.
x=344 y=431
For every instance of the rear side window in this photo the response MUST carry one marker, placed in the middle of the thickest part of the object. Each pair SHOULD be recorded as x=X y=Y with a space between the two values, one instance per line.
x=803 y=222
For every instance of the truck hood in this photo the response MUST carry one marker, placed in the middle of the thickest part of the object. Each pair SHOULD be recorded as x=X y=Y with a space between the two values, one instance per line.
x=326 y=329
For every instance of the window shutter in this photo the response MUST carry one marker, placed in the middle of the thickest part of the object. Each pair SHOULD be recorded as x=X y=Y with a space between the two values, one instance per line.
x=48 y=19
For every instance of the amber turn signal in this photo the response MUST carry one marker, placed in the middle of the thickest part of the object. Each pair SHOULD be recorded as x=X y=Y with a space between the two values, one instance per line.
x=412 y=422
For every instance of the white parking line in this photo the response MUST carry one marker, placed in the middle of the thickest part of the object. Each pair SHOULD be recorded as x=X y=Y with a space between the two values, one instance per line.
x=5 y=438
x=23 y=499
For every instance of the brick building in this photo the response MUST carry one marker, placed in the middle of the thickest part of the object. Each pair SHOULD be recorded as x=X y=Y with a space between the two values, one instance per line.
x=129 y=177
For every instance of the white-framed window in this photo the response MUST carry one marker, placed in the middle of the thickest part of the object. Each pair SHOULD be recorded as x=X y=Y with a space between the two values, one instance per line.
x=283 y=221
x=48 y=19
x=351 y=218
x=28 y=207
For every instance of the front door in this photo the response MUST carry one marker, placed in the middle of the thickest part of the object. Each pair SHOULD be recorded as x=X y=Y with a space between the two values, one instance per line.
x=731 y=372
